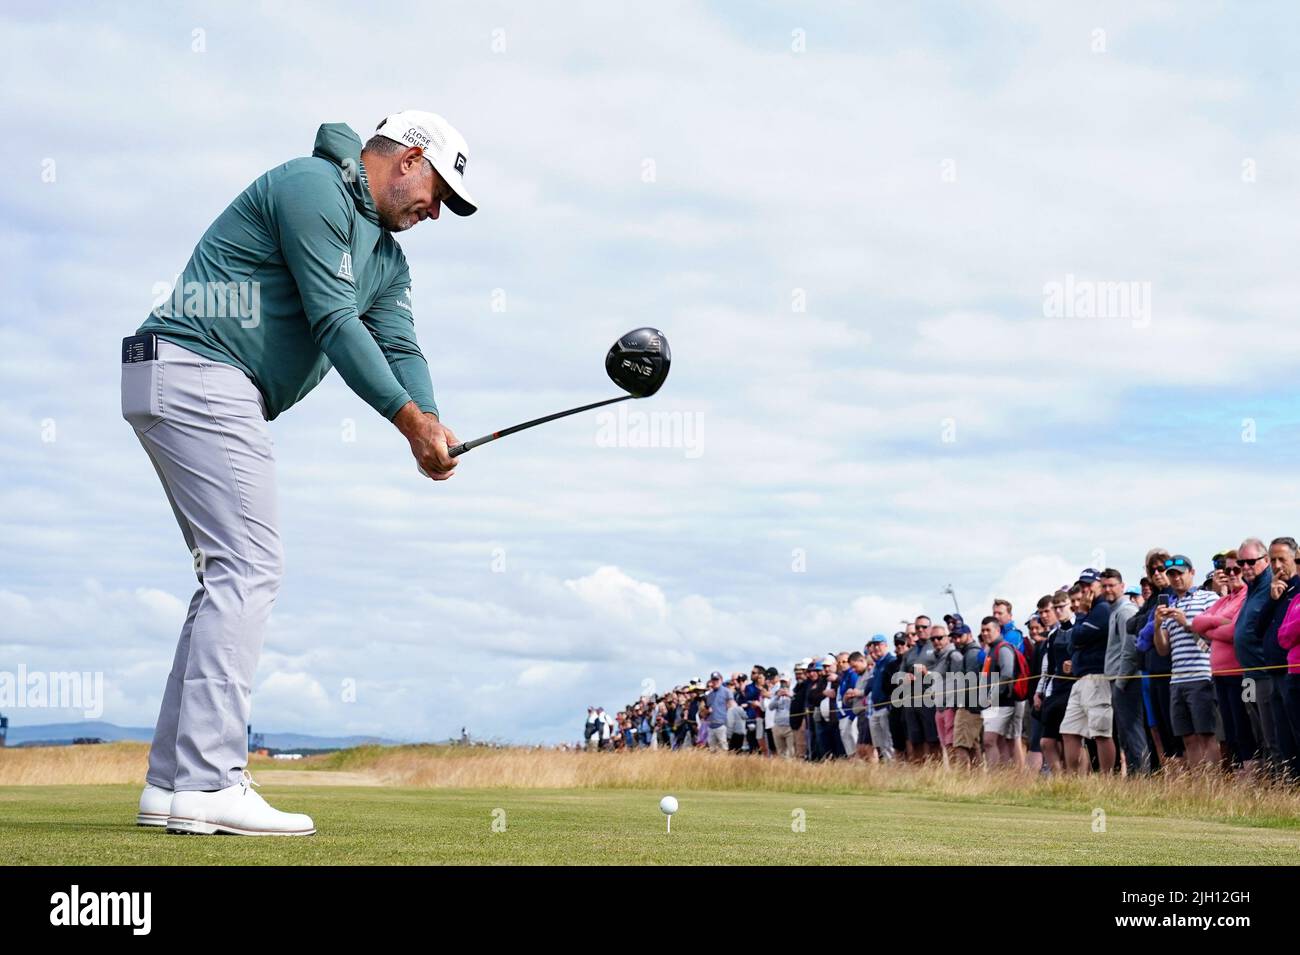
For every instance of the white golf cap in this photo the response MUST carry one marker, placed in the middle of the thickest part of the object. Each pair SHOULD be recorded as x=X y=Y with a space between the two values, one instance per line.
x=443 y=146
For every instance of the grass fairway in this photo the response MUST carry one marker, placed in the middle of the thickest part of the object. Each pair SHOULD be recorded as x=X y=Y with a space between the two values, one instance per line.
x=373 y=825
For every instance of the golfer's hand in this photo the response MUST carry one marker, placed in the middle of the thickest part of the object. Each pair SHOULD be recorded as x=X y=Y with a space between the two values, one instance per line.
x=1067 y=668
x=429 y=439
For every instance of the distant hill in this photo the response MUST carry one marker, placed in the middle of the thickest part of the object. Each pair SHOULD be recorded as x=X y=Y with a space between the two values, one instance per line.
x=56 y=734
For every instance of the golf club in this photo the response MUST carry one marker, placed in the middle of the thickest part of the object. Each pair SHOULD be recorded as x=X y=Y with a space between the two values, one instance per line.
x=638 y=363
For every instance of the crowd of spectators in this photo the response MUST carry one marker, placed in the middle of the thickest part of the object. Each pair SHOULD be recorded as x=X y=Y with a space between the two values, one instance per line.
x=1172 y=671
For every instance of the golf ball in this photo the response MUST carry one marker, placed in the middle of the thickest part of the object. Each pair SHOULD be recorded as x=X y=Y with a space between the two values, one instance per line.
x=668 y=805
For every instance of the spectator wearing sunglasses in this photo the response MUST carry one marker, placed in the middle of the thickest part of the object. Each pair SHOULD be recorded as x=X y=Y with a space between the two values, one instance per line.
x=948 y=659
x=922 y=730
x=1191 y=692
x=897 y=717
x=1285 y=585
x=1248 y=643
x=968 y=726
x=1217 y=625
x=1155 y=683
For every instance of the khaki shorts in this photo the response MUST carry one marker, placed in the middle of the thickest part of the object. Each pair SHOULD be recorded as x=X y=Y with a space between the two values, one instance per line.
x=1090 y=713
x=967 y=730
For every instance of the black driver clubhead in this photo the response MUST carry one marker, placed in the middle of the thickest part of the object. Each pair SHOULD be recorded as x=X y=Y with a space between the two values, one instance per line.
x=638 y=362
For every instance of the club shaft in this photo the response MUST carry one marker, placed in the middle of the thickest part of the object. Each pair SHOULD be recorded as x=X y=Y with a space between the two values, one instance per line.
x=460 y=449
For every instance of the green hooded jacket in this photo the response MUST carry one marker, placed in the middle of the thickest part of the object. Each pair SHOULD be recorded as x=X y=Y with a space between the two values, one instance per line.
x=296 y=276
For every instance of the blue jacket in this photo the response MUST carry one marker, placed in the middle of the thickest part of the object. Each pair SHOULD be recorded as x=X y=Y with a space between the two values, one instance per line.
x=1088 y=639
x=1146 y=639
x=1248 y=637
x=848 y=681
x=1270 y=620
x=1012 y=635
x=879 y=689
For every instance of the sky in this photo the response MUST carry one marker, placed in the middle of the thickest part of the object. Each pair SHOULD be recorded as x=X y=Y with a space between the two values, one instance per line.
x=975 y=294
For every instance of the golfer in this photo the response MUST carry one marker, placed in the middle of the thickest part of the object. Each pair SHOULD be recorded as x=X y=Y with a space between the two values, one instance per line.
x=299 y=274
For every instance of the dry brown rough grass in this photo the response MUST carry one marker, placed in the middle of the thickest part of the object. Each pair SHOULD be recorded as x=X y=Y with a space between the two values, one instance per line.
x=1192 y=795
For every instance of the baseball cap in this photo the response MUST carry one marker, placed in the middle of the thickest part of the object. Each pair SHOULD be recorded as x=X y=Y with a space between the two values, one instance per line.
x=443 y=146
x=1089 y=575
x=715 y=675
x=1180 y=561
x=803 y=664
x=877 y=638
x=828 y=660
x=1133 y=592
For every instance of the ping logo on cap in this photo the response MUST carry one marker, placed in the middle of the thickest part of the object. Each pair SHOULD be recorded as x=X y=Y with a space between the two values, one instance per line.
x=460 y=163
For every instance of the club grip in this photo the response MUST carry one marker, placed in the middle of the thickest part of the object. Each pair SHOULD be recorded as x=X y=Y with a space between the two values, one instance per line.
x=457 y=450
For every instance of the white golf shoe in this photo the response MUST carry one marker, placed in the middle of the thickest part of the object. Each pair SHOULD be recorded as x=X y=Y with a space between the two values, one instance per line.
x=235 y=810
x=155 y=806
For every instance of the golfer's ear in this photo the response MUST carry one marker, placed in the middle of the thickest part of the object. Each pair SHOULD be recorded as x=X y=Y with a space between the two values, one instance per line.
x=411 y=157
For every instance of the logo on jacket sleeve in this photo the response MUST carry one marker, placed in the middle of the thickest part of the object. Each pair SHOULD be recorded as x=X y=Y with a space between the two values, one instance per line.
x=345 y=267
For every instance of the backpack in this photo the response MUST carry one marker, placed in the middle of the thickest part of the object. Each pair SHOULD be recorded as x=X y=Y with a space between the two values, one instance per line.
x=1020 y=685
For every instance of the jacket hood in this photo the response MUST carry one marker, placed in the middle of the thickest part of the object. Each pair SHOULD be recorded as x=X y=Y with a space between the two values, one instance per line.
x=341 y=146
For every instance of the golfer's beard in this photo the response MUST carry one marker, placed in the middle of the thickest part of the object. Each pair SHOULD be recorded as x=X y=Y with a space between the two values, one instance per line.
x=394 y=223
x=400 y=198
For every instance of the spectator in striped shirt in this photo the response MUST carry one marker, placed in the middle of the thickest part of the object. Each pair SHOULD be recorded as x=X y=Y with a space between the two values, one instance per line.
x=1192 y=702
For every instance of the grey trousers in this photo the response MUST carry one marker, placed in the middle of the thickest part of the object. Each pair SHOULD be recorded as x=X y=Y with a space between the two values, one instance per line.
x=881 y=736
x=1130 y=727
x=203 y=425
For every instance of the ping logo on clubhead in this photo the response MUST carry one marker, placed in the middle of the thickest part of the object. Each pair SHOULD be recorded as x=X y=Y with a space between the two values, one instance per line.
x=637 y=367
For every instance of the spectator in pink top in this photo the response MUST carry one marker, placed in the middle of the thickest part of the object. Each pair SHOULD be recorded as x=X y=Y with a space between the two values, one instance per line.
x=1217 y=625
x=1288 y=638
